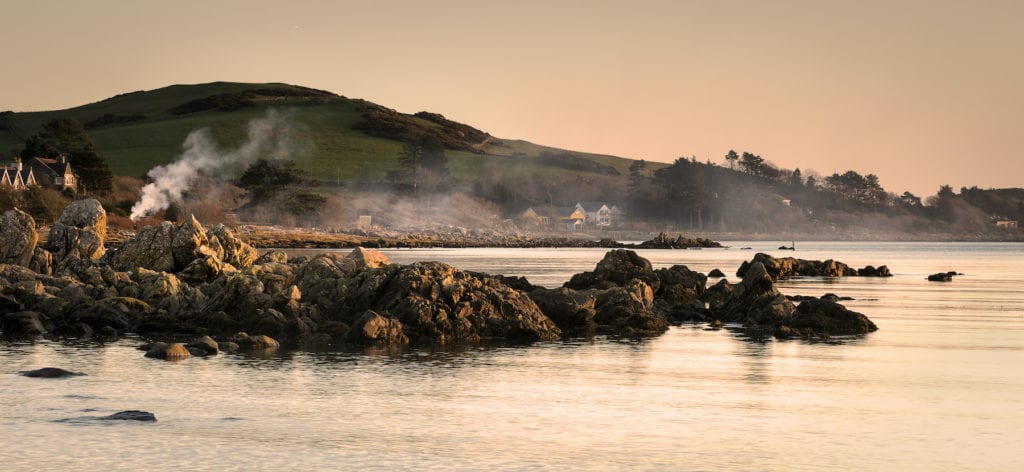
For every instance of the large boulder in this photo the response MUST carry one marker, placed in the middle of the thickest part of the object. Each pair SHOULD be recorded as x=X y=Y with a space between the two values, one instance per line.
x=151 y=249
x=572 y=310
x=18 y=238
x=189 y=242
x=368 y=258
x=825 y=317
x=438 y=303
x=79 y=232
x=755 y=301
x=617 y=268
x=628 y=311
x=236 y=252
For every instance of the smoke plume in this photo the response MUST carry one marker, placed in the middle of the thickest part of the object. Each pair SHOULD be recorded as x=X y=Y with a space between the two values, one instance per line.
x=268 y=137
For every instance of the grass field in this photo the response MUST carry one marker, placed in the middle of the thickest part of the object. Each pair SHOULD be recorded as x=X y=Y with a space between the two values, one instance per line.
x=321 y=128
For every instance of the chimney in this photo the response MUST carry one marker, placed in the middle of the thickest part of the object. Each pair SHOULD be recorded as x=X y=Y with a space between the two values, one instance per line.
x=62 y=158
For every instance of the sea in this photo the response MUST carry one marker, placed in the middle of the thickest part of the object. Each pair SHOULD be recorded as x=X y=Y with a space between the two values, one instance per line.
x=939 y=386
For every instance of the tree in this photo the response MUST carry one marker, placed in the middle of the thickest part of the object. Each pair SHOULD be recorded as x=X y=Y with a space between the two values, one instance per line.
x=423 y=165
x=66 y=136
x=731 y=157
x=752 y=164
x=910 y=200
x=796 y=178
x=282 y=189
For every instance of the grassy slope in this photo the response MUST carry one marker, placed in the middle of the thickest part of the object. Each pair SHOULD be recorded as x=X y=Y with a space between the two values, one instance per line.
x=330 y=148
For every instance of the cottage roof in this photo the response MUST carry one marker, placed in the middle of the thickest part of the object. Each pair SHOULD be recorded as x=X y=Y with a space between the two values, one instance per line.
x=591 y=207
x=57 y=167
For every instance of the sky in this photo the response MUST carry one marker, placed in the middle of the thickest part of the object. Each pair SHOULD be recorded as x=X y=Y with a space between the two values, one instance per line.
x=920 y=93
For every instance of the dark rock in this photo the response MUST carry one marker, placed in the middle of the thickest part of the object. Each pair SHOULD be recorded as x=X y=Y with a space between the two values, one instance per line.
x=942 y=276
x=628 y=311
x=256 y=343
x=573 y=311
x=50 y=373
x=755 y=301
x=716 y=273
x=663 y=241
x=871 y=271
x=783 y=267
x=830 y=318
x=129 y=415
x=24 y=325
x=617 y=268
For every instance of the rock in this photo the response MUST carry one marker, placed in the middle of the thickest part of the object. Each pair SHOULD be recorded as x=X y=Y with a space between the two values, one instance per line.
x=129 y=415
x=24 y=325
x=784 y=267
x=440 y=304
x=149 y=249
x=368 y=258
x=275 y=256
x=871 y=271
x=50 y=373
x=18 y=238
x=171 y=352
x=617 y=268
x=663 y=241
x=236 y=252
x=825 y=317
x=42 y=262
x=573 y=311
x=373 y=328
x=80 y=231
x=255 y=343
x=942 y=276
x=187 y=242
x=628 y=311
x=716 y=273
x=206 y=345
x=755 y=301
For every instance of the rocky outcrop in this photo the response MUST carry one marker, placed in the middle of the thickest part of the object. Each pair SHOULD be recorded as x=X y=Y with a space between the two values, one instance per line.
x=79 y=233
x=18 y=238
x=943 y=276
x=663 y=241
x=716 y=273
x=764 y=311
x=177 y=282
x=783 y=267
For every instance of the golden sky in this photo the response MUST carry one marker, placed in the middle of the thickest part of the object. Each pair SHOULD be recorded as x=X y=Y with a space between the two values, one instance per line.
x=921 y=93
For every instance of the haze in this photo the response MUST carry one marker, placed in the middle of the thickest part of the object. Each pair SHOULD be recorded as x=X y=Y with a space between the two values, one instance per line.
x=921 y=93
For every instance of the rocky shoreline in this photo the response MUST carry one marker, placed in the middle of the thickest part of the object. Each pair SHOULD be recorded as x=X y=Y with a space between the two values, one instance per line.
x=184 y=282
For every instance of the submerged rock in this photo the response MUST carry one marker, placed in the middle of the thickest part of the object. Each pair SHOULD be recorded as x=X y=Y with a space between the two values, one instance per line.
x=783 y=267
x=24 y=325
x=50 y=373
x=171 y=352
x=942 y=276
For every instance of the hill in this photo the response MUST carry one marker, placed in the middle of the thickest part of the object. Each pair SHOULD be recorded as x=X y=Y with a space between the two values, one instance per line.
x=342 y=141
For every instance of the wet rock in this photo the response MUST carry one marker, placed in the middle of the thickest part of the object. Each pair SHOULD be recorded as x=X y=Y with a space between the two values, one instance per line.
x=171 y=352
x=663 y=241
x=50 y=373
x=129 y=415
x=80 y=231
x=573 y=311
x=42 y=262
x=825 y=317
x=755 y=301
x=255 y=343
x=942 y=276
x=871 y=271
x=24 y=325
x=783 y=267
x=373 y=328
x=716 y=273
x=440 y=304
x=628 y=311
x=18 y=238
x=205 y=345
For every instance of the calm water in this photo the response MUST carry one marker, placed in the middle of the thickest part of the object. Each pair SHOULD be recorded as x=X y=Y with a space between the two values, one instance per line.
x=939 y=387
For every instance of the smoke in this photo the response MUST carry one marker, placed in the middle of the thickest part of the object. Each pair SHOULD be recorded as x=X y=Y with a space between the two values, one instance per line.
x=268 y=137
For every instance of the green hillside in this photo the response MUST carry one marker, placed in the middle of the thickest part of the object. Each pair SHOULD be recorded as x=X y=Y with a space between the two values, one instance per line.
x=339 y=139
